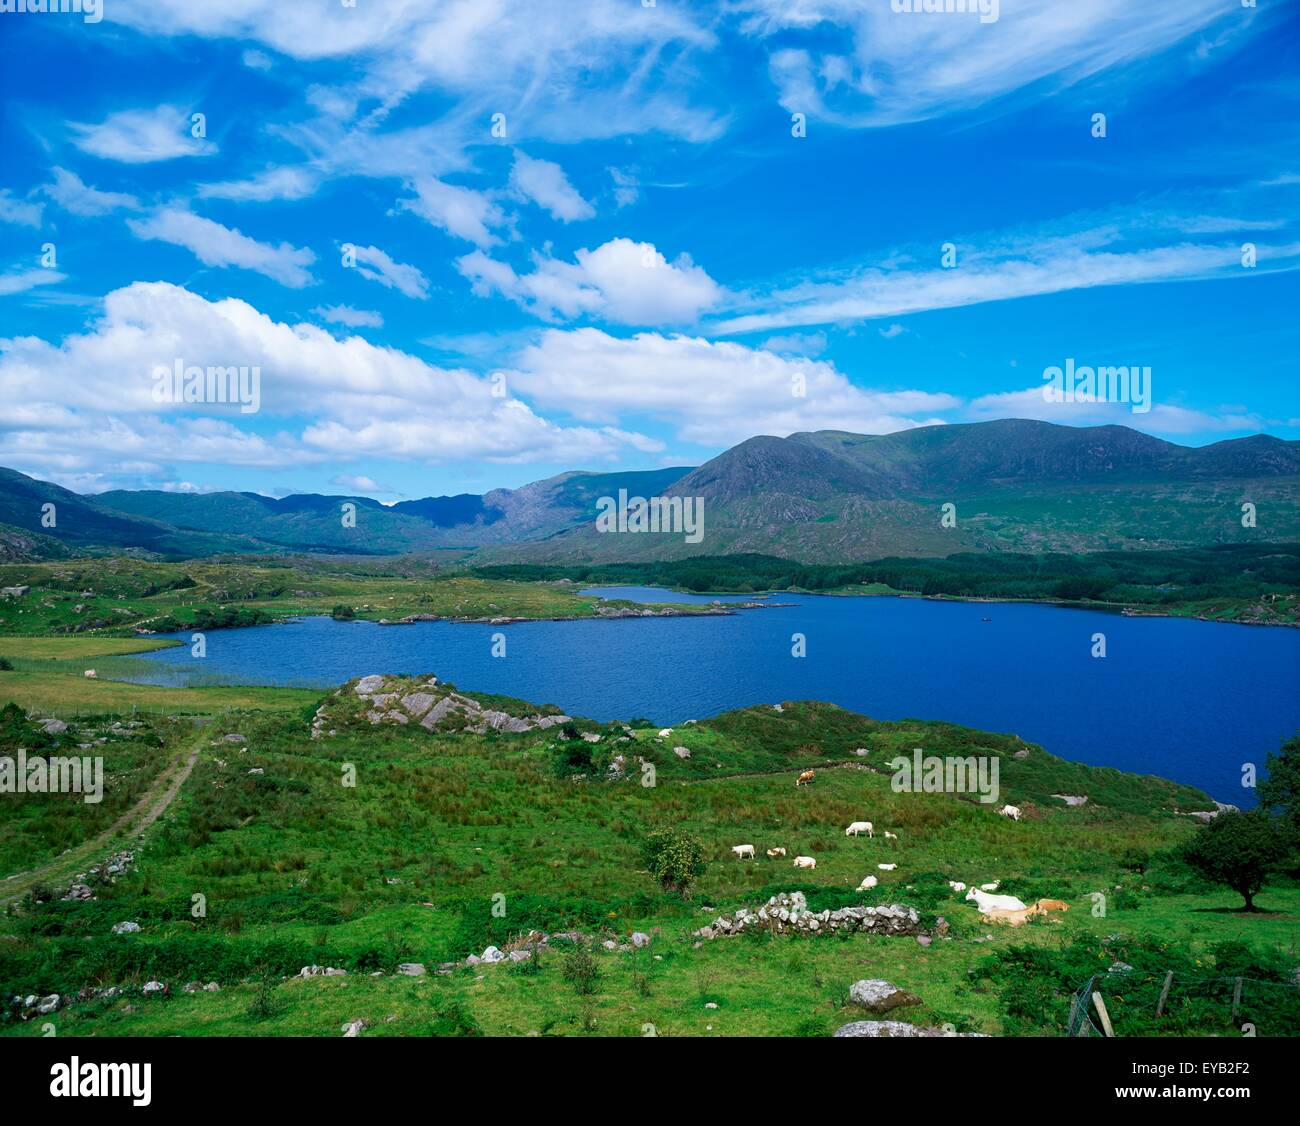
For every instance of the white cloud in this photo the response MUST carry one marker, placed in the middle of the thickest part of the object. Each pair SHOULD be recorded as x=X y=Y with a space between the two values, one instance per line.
x=459 y=211
x=892 y=330
x=19 y=281
x=621 y=281
x=71 y=193
x=18 y=211
x=859 y=64
x=256 y=60
x=1162 y=418
x=139 y=136
x=288 y=182
x=359 y=484
x=796 y=344
x=215 y=245
x=547 y=186
x=87 y=401
x=997 y=268
x=373 y=264
x=714 y=393
x=346 y=315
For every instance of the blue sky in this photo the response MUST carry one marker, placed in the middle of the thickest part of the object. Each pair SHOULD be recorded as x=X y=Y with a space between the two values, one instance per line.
x=648 y=263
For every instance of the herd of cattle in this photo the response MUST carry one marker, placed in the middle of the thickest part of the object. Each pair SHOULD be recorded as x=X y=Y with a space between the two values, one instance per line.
x=993 y=908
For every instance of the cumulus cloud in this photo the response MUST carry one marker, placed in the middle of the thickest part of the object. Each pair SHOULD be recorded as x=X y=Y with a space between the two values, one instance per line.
x=459 y=211
x=142 y=136
x=215 y=245
x=714 y=393
x=621 y=281
x=88 y=401
x=547 y=186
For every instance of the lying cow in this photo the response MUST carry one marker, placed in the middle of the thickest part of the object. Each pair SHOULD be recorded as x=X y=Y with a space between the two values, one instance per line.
x=868 y=883
x=805 y=862
x=773 y=853
x=1009 y=918
x=860 y=827
x=890 y=836
x=743 y=852
x=1046 y=905
x=886 y=867
x=984 y=901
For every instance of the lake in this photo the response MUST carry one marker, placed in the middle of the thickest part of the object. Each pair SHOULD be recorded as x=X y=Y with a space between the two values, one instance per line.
x=1184 y=699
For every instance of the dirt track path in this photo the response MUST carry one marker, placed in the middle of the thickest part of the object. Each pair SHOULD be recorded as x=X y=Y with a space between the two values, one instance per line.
x=152 y=804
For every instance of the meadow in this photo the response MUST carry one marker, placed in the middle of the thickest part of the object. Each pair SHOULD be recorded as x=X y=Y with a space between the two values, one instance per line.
x=448 y=841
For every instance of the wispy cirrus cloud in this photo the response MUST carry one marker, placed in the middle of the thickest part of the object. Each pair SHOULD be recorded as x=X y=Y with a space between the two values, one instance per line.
x=216 y=245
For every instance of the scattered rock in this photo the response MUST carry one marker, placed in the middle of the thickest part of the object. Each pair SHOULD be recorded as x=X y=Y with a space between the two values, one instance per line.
x=411 y=969
x=353 y=1029
x=125 y=928
x=895 y=1028
x=879 y=996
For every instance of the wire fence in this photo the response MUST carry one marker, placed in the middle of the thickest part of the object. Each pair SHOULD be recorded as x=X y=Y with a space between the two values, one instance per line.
x=1141 y=1003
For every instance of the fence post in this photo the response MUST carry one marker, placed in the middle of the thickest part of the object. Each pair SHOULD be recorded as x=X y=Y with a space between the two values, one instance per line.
x=1236 y=999
x=1164 y=993
x=1101 y=1012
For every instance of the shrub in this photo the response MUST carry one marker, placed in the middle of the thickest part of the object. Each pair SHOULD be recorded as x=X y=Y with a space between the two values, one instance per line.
x=674 y=858
x=580 y=969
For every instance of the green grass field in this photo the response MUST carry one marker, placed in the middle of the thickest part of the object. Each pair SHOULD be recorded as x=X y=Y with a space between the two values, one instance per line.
x=451 y=841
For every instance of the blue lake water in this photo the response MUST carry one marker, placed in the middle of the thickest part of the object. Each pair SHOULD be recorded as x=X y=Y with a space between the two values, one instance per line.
x=1183 y=699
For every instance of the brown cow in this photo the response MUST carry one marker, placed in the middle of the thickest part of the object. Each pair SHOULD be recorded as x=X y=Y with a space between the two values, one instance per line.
x=804 y=778
x=1046 y=905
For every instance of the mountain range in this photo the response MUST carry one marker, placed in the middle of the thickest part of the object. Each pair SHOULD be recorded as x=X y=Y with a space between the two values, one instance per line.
x=1013 y=484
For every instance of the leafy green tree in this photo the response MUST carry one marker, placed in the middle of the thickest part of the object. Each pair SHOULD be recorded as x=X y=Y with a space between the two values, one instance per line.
x=1240 y=850
x=1280 y=791
x=674 y=858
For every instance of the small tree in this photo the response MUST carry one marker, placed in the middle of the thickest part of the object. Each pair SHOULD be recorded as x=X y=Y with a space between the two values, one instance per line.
x=1239 y=850
x=674 y=858
x=1280 y=791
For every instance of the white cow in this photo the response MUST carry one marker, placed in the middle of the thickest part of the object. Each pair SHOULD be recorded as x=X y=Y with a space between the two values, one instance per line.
x=1012 y=811
x=743 y=851
x=890 y=836
x=805 y=862
x=886 y=867
x=990 y=887
x=773 y=853
x=868 y=883
x=956 y=885
x=860 y=827
x=92 y=674
x=984 y=901
x=665 y=733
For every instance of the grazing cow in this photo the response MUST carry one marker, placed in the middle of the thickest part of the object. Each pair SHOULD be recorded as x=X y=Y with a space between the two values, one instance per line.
x=1010 y=918
x=773 y=853
x=92 y=674
x=860 y=827
x=743 y=851
x=890 y=836
x=1012 y=811
x=984 y=901
x=804 y=778
x=1046 y=905
x=667 y=731
x=805 y=862
x=886 y=867
x=956 y=885
x=868 y=883
x=991 y=886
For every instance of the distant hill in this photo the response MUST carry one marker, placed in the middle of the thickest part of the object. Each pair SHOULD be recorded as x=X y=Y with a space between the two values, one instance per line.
x=828 y=496
x=1017 y=484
